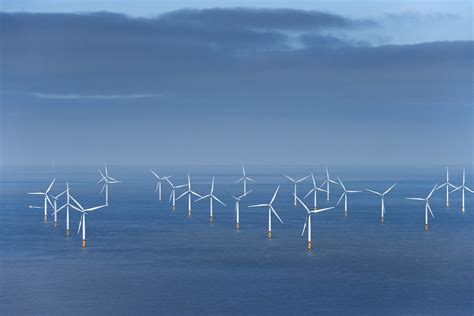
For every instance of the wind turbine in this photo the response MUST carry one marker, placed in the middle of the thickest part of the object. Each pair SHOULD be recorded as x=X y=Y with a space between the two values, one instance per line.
x=237 y=208
x=427 y=205
x=327 y=182
x=344 y=195
x=82 y=221
x=46 y=199
x=55 y=207
x=67 y=205
x=315 y=189
x=189 y=192
x=382 y=207
x=244 y=179
x=295 y=182
x=270 y=211
x=107 y=180
x=173 y=191
x=211 y=197
x=158 y=184
x=447 y=184
x=462 y=188
x=308 y=220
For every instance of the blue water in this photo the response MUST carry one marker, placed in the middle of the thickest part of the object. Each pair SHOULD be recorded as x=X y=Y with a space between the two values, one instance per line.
x=142 y=258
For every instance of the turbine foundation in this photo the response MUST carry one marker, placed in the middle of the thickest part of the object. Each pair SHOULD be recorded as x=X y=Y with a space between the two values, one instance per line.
x=426 y=227
x=83 y=243
x=46 y=218
x=189 y=213
x=309 y=245
x=269 y=234
x=463 y=210
x=382 y=220
x=67 y=232
x=210 y=219
x=55 y=225
x=237 y=226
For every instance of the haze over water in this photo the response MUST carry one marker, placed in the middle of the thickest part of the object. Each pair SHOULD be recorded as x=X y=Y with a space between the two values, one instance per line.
x=143 y=258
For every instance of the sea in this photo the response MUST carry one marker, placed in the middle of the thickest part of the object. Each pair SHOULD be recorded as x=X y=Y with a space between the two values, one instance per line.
x=144 y=258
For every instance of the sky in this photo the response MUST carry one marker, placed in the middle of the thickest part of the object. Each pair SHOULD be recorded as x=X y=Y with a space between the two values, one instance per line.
x=225 y=82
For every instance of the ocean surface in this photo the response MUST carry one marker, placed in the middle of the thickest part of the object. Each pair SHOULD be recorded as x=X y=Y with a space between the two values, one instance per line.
x=143 y=258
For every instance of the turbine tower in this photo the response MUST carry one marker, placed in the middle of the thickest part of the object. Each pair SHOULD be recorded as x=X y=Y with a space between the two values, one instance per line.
x=106 y=179
x=344 y=195
x=382 y=206
x=158 y=183
x=295 y=182
x=237 y=208
x=211 y=197
x=189 y=192
x=427 y=205
x=462 y=188
x=314 y=190
x=244 y=179
x=270 y=211
x=308 y=220
x=47 y=200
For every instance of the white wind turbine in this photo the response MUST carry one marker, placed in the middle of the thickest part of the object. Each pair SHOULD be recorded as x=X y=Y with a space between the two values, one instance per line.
x=327 y=182
x=382 y=207
x=427 y=205
x=173 y=192
x=244 y=179
x=211 y=197
x=82 y=221
x=462 y=188
x=308 y=220
x=447 y=184
x=344 y=195
x=314 y=190
x=46 y=199
x=237 y=208
x=67 y=205
x=158 y=184
x=107 y=180
x=295 y=182
x=55 y=207
x=270 y=211
x=189 y=192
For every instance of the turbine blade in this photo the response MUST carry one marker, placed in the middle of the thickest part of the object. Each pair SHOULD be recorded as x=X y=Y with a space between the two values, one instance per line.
x=307 y=194
x=182 y=195
x=276 y=214
x=301 y=202
x=429 y=209
x=50 y=186
x=302 y=179
x=157 y=176
x=375 y=192
x=80 y=223
x=274 y=195
x=416 y=199
x=215 y=198
x=289 y=178
x=389 y=189
x=304 y=226
x=323 y=209
x=434 y=189
x=259 y=205
x=342 y=185
x=340 y=199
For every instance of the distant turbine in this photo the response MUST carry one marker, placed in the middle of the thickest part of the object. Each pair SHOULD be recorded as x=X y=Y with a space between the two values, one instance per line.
x=427 y=205
x=327 y=182
x=314 y=190
x=67 y=205
x=46 y=199
x=211 y=197
x=173 y=191
x=308 y=220
x=244 y=179
x=463 y=187
x=107 y=180
x=158 y=184
x=270 y=211
x=447 y=184
x=382 y=207
x=344 y=195
x=237 y=208
x=82 y=221
x=55 y=207
x=189 y=192
x=295 y=182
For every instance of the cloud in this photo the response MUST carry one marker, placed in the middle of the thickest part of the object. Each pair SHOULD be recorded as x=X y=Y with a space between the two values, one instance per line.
x=96 y=96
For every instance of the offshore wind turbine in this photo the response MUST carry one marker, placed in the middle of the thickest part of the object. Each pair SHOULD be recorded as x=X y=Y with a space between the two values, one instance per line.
x=295 y=182
x=55 y=207
x=427 y=205
x=237 y=208
x=314 y=190
x=328 y=181
x=158 y=183
x=244 y=179
x=447 y=184
x=270 y=211
x=82 y=221
x=462 y=188
x=107 y=180
x=173 y=192
x=211 y=197
x=382 y=206
x=344 y=195
x=67 y=205
x=47 y=200
x=189 y=192
x=308 y=220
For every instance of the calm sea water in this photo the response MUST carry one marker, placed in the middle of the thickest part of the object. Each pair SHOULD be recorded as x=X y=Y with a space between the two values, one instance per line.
x=142 y=258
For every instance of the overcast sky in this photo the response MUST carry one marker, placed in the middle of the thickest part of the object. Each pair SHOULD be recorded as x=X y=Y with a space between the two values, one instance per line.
x=386 y=82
